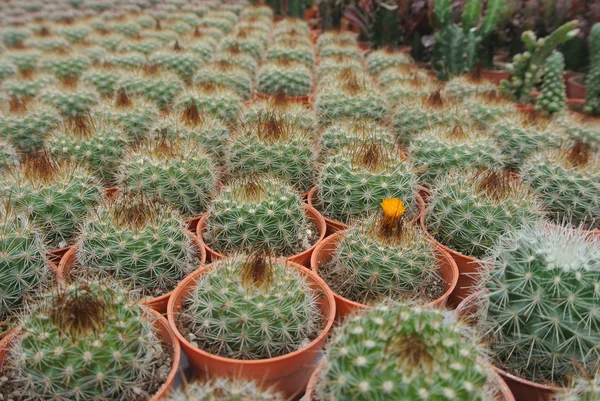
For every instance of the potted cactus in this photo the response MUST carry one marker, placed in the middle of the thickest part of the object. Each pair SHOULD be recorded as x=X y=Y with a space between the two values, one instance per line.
x=228 y=75
x=292 y=78
x=553 y=97
x=582 y=389
x=384 y=256
x=102 y=345
x=592 y=98
x=215 y=100
x=282 y=310
x=354 y=131
x=380 y=60
x=23 y=127
x=297 y=114
x=225 y=389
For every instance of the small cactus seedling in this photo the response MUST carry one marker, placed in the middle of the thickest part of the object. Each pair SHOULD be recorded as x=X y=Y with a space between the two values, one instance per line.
x=225 y=389
x=276 y=310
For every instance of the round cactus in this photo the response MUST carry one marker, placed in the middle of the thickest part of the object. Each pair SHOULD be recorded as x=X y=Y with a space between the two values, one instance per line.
x=157 y=86
x=75 y=33
x=356 y=181
x=441 y=150
x=246 y=44
x=351 y=51
x=464 y=86
x=226 y=74
x=293 y=52
x=70 y=102
x=237 y=59
x=297 y=114
x=14 y=37
x=25 y=61
x=130 y=29
x=173 y=170
x=28 y=123
x=542 y=279
x=276 y=309
x=404 y=72
x=134 y=116
x=8 y=155
x=293 y=79
x=109 y=42
x=184 y=64
x=66 y=69
x=341 y=38
x=142 y=243
x=144 y=46
x=126 y=61
x=276 y=147
x=582 y=389
x=350 y=132
x=379 y=60
x=470 y=212
x=7 y=69
x=256 y=11
x=224 y=389
x=104 y=80
x=331 y=67
x=99 y=343
x=258 y=213
x=395 y=352
x=213 y=100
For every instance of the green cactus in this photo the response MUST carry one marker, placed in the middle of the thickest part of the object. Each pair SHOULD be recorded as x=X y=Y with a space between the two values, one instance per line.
x=227 y=75
x=75 y=33
x=331 y=67
x=338 y=38
x=438 y=151
x=295 y=8
x=553 y=97
x=293 y=26
x=126 y=61
x=488 y=109
x=592 y=99
x=407 y=93
x=255 y=11
x=163 y=36
x=55 y=195
x=109 y=42
x=49 y=44
x=581 y=389
x=341 y=50
x=238 y=59
x=258 y=213
x=25 y=61
x=276 y=147
x=202 y=45
x=133 y=115
x=111 y=352
x=143 y=46
x=291 y=78
x=184 y=64
x=245 y=43
x=276 y=311
x=297 y=53
x=104 y=80
x=213 y=100
x=27 y=125
x=527 y=67
x=70 y=102
x=7 y=69
x=66 y=69
x=130 y=29
x=173 y=170
x=354 y=182
x=161 y=88
x=395 y=352
x=14 y=37
x=470 y=211
x=222 y=24
x=464 y=86
x=8 y=155
x=225 y=389
x=140 y=242
x=380 y=60
x=354 y=131
x=297 y=114
x=543 y=278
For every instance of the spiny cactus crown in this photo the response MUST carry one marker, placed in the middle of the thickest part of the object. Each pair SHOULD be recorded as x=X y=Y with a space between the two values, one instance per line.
x=553 y=97
x=379 y=60
x=227 y=75
x=582 y=389
x=293 y=78
x=295 y=113
x=217 y=101
x=354 y=131
x=224 y=389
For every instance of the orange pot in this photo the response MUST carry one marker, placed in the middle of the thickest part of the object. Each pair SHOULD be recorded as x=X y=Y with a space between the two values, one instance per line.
x=575 y=89
x=159 y=304
x=302 y=258
x=111 y=193
x=308 y=99
x=523 y=390
x=56 y=255
x=287 y=373
x=502 y=392
x=495 y=76
x=310 y=13
x=163 y=331
x=334 y=226
x=324 y=252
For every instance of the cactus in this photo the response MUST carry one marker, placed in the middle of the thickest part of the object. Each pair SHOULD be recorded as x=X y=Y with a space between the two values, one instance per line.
x=384 y=256
x=8 y=155
x=213 y=100
x=276 y=311
x=568 y=182
x=553 y=97
x=276 y=147
x=379 y=60
x=238 y=59
x=173 y=170
x=402 y=72
x=66 y=69
x=255 y=11
x=184 y=65
x=488 y=109
x=76 y=33
x=356 y=181
x=405 y=92
x=55 y=195
x=135 y=116
x=25 y=61
x=227 y=75
x=138 y=241
x=144 y=46
x=592 y=99
x=293 y=52
x=470 y=211
x=202 y=45
x=70 y=102
x=349 y=132
x=293 y=79
x=245 y=43
x=438 y=151
x=337 y=38
x=340 y=50
x=130 y=29
x=126 y=61
x=14 y=37
x=104 y=80
x=26 y=129
x=543 y=278
x=395 y=352
x=581 y=389
x=109 y=42
x=526 y=68
x=22 y=259
x=297 y=114
x=257 y=213
x=161 y=89
x=50 y=44
x=7 y=69
x=102 y=345
x=464 y=86
x=331 y=67
x=224 y=389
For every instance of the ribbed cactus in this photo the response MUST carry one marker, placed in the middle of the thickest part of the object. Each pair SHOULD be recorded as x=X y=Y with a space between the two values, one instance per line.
x=224 y=389
x=258 y=213
x=395 y=352
x=592 y=98
x=384 y=256
x=245 y=43
x=298 y=114
x=184 y=64
x=214 y=100
x=133 y=115
x=228 y=75
x=276 y=147
x=469 y=212
x=22 y=258
x=438 y=151
x=98 y=343
x=126 y=61
x=403 y=72
x=526 y=68
x=379 y=60
x=173 y=170
x=293 y=52
x=55 y=195
x=463 y=86
x=553 y=97
x=26 y=125
x=568 y=182
x=159 y=87
x=104 y=80
x=331 y=67
x=340 y=50
x=409 y=92
x=211 y=132
x=354 y=131
x=334 y=37
x=238 y=59
x=291 y=78
x=358 y=179
x=542 y=279
x=276 y=310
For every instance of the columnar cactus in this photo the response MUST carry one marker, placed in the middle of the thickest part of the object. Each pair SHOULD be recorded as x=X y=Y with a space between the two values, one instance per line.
x=469 y=212
x=142 y=243
x=276 y=309
x=553 y=97
x=291 y=78
x=379 y=60
x=395 y=352
x=592 y=99
x=214 y=100
x=173 y=170
x=257 y=213
x=356 y=181
x=543 y=278
x=568 y=181
x=224 y=389
x=228 y=75
x=100 y=344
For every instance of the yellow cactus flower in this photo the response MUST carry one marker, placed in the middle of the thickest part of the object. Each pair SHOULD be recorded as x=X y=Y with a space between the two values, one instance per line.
x=393 y=207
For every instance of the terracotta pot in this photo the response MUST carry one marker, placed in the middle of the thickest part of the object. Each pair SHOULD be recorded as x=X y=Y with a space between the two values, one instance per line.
x=310 y=13
x=523 y=390
x=334 y=226
x=288 y=373
x=56 y=255
x=159 y=304
x=192 y=223
x=324 y=252
x=495 y=76
x=314 y=35
x=163 y=331
x=111 y=193
x=575 y=89
x=364 y=46
x=302 y=258
x=308 y=99
x=502 y=393
x=525 y=107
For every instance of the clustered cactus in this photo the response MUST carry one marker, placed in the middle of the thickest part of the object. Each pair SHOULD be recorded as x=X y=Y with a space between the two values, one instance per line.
x=224 y=389
x=553 y=96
